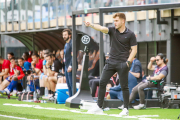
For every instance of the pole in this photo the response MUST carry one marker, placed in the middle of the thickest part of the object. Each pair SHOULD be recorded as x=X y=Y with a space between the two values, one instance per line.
x=74 y=54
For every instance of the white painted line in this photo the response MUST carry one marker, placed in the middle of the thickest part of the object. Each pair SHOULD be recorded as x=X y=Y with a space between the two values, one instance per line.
x=19 y=118
x=115 y=115
x=147 y=116
x=140 y=117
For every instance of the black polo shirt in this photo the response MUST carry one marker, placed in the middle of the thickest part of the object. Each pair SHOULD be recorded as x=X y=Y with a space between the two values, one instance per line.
x=56 y=66
x=120 y=44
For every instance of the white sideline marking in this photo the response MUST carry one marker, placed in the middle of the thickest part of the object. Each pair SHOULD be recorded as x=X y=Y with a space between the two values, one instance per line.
x=147 y=116
x=16 y=117
x=140 y=117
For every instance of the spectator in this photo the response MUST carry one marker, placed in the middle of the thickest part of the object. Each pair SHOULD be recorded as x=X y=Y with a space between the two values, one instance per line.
x=43 y=75
x=26 y=67
x=94 y=69
x=37 y=66
x=159 y=74
x=53 y=67
x=27 y=57
x=5 y=69
x=61 y=77
x=10 y=55
x=41 y=55
x=136 y=69
x=16 y=74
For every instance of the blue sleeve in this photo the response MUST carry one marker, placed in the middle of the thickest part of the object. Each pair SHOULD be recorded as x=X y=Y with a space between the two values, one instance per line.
x=137 y=67
x=44 y=62
x=117 y=88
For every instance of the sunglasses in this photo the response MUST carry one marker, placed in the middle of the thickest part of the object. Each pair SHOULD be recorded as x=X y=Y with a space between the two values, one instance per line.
x=157 y=60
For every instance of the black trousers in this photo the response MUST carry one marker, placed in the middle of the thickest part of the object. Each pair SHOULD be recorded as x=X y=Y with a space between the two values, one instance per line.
x=108 y=71
x=24 y=80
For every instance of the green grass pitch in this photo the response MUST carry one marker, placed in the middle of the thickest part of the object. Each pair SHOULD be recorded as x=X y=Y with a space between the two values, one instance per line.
x=45 y=114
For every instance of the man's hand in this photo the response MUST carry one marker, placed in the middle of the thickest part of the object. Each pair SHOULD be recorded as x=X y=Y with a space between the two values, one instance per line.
x=47 y=64
x=87 y=23
x=127 y=64
x=152 y=59
x=33 y=63
x=69 y=69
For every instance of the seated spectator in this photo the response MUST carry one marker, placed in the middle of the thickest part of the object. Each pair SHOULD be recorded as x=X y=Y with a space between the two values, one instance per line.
x=159 y=74
x=136 y=69
x=61 y=77
x=16 y=74
x=10 y=55
x=43 y=75
x=5 y=69
x=41 y=55
x=27 y=57
x=135 y=74
x=26 y=67
x=53 y=67
x=37 y=65
x=94 y=69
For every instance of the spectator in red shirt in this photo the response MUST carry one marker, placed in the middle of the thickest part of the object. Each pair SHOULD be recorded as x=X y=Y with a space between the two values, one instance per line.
x=37 y=63
x=16 y=73
x=5 y=68
x=37 y=66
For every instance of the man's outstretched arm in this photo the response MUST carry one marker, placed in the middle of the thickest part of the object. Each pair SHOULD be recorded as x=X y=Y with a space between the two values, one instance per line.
x=97 y=27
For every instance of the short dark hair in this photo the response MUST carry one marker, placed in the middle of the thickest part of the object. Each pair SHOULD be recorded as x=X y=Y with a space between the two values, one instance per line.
x=26 y=53
x=35 y=54
x=67 y=30
x=13 y=58
x=49 y=55
x=20 y=58
x=54 y=55
x=11 y=53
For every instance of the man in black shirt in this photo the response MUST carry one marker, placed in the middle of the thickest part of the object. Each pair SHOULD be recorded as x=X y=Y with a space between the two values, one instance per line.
x=121 y=40
x=53 y=66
